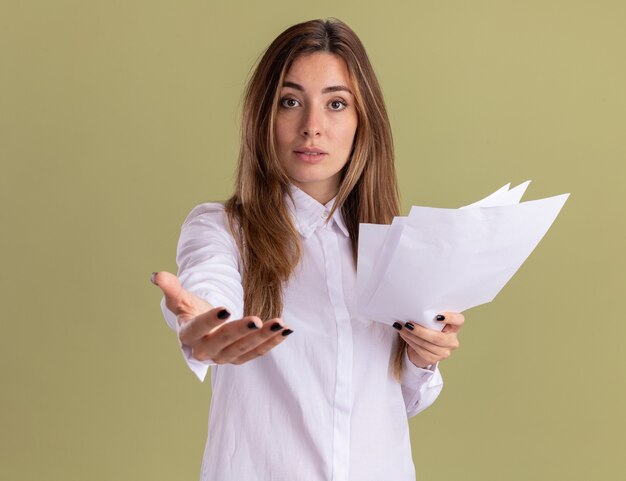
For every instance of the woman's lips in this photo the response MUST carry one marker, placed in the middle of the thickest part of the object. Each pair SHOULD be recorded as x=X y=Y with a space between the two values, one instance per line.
x=310 y=157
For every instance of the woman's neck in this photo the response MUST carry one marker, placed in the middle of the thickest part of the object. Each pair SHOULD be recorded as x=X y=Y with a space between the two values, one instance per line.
x=321 y=193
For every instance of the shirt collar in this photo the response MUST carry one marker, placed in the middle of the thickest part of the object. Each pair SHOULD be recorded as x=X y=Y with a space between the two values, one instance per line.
x=309 y=214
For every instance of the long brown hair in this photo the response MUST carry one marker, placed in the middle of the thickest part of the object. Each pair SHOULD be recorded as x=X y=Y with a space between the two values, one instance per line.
x=259 y=218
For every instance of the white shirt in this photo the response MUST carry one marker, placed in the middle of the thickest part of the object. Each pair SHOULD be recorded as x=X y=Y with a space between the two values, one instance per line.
x=323 y=405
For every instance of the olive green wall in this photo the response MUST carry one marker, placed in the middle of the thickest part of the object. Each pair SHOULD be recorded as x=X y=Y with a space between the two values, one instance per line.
x=116 y=118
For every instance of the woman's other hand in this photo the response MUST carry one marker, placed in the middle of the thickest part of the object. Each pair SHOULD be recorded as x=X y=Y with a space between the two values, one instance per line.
x=427 y=346
x=204 y=328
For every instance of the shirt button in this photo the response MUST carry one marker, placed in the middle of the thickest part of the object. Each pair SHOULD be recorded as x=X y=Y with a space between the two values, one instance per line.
x=324 y=215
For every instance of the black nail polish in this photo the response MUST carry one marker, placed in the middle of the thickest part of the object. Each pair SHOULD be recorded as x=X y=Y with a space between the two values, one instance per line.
x=276 y=327
x=397 y=325
x=252 y=325
x=409 y=326
x=440 y=317
x=223 y=314
x=153 y=278
x=286 y=332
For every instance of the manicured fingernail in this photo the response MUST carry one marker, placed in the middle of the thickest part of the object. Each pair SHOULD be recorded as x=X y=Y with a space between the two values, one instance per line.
x=223 y=314
x=409 y=326
x=286 y=332
x=397 y=325
x=276 y=327
x=440 y=317
x=252 y=325
x=153 y=278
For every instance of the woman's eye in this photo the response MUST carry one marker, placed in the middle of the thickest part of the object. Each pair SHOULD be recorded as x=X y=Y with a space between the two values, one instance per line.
x=338 y=105
x=288 y=102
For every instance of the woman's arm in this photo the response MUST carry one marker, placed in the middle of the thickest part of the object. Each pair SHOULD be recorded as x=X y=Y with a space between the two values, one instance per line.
x=421 y=379
x=420 y=386
x=208 y=275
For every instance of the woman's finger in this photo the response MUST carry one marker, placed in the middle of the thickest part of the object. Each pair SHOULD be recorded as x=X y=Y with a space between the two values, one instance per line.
x=202 y=325
x=433 y=336
x=231 y=340
x=178 y=300
x=426 y=355
x=260 y=349
x=429 y=347
x=451 y=318
x=451 y=328
x=255 y=344
x=172 y=290
x=210 y=345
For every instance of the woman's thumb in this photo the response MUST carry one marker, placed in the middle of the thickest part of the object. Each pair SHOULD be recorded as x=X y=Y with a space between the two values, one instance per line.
x=170 y=285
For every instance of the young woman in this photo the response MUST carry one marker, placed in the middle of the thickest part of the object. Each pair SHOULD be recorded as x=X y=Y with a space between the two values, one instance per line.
x=303 y=387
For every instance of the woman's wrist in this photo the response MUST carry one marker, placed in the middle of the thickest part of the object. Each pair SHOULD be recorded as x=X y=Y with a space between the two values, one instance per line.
x=418 y=361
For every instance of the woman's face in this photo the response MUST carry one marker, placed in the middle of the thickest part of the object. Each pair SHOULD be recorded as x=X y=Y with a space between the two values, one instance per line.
x=316 y=123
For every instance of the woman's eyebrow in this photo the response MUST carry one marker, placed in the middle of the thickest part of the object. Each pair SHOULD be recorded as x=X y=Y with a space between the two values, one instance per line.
x=325 y=90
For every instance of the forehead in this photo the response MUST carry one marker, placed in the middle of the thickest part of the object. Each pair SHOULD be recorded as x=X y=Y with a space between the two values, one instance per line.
x=319 y=69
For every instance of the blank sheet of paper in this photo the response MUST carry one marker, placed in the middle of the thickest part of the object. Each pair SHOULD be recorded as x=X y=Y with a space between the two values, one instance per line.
x=437 y=260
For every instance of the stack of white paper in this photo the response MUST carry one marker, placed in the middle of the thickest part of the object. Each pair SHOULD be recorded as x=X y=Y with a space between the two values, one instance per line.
x=438 y=260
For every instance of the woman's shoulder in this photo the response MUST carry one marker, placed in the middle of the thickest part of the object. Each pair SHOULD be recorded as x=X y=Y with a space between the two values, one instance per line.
x=208 y=219
x=206 y=232
x=207 y=212
x=208 y=224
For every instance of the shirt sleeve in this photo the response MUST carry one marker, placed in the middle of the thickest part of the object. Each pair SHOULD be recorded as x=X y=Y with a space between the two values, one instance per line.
x=208 y=266
x=420 y=387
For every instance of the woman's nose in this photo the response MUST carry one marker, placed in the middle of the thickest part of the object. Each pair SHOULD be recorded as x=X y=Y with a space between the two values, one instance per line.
x=312 y=123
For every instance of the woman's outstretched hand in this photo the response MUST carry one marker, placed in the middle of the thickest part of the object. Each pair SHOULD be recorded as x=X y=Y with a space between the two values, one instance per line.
x=204 y=328
x=427 y=346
